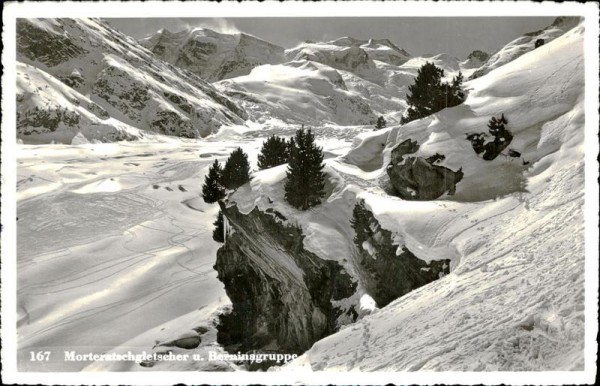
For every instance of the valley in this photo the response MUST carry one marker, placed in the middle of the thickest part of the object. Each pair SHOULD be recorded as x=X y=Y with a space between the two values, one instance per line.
x=453 y=241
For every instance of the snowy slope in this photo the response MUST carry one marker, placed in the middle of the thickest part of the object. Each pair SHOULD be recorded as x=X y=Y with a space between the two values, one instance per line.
x=119 y=75
x=113 y=241
x=120 y=237
x=514 y=299
x=211 y=55
x=526 y=43
x=376 y=69
x=299 y=91
x=65 y=113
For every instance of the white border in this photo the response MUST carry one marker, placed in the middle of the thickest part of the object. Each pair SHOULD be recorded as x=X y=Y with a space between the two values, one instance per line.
x=296 y=9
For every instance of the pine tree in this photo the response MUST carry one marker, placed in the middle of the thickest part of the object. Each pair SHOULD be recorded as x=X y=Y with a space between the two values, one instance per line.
x=429 y=94
x=305 y=183
x=290 y=145
x=219 y=231
x=380 y=123
x=424 y=93
x=274 y=152
x=237 y=170
x=502 y=138
x=212 y=190
x=457 y=95
x=497 y=126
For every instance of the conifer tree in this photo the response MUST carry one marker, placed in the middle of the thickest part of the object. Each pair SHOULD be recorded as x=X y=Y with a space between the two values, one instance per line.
x=380 y=123
x=457 y=95
x=429 y=94
x=212 y=190
x=237 y=170
x=305 y=183
x=424 y=93
x=274 y=152
x=218 y=233
x=497 y=126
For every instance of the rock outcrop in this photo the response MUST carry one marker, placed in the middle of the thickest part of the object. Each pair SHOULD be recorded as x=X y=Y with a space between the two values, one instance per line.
x=418 y=178
x=389 y=270
x=212 y=55
x=281 y=293
x=64 y=64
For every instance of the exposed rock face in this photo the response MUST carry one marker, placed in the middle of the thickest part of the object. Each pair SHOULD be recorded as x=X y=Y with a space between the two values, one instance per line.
x=417 y=178
x=85 y=59
x=50 y=49
x=212 y=55
x=479 y=55
x=281 y=293
x=389 y=271
x=476 y=59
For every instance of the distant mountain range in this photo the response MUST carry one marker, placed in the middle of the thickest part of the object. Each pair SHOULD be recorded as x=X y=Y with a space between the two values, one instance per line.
x=83 y=76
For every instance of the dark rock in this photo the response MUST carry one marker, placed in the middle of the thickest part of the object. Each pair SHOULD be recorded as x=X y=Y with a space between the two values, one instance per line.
x=479 y=55
x=188 y=342
x=201 y=330
x=407 y=147
x=539 y=43
x=49 y=48
x=417 y=178
x=437 y=157
x=387 y=276
x=281 y=293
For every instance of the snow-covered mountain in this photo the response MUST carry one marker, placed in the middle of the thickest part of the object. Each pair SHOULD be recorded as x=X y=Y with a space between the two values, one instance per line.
x=348 y=53
x=119 y=83
x=212 y=55
x=425 y=254
x=344 y=82
x=299 y=91
x=527 y=43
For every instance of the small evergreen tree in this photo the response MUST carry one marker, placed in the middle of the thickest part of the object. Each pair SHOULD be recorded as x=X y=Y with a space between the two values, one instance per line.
x=218 y=233
x=457 y=95
x=501 y=137
x=429 y=94
x=212 y=190
x=497 y=126
x=380 y=124
x=274 y=152
x=361 y=222
x=305 y=183
x=237 y=170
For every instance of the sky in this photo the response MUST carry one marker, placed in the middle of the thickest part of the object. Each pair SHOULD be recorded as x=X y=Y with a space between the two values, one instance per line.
x=457 y=36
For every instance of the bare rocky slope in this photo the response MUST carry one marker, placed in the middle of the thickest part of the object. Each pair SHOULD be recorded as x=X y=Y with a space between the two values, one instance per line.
x=80 y=75
x=212 y=55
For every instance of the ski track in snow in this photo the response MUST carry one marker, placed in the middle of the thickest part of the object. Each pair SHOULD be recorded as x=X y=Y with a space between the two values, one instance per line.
x=98 y=268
